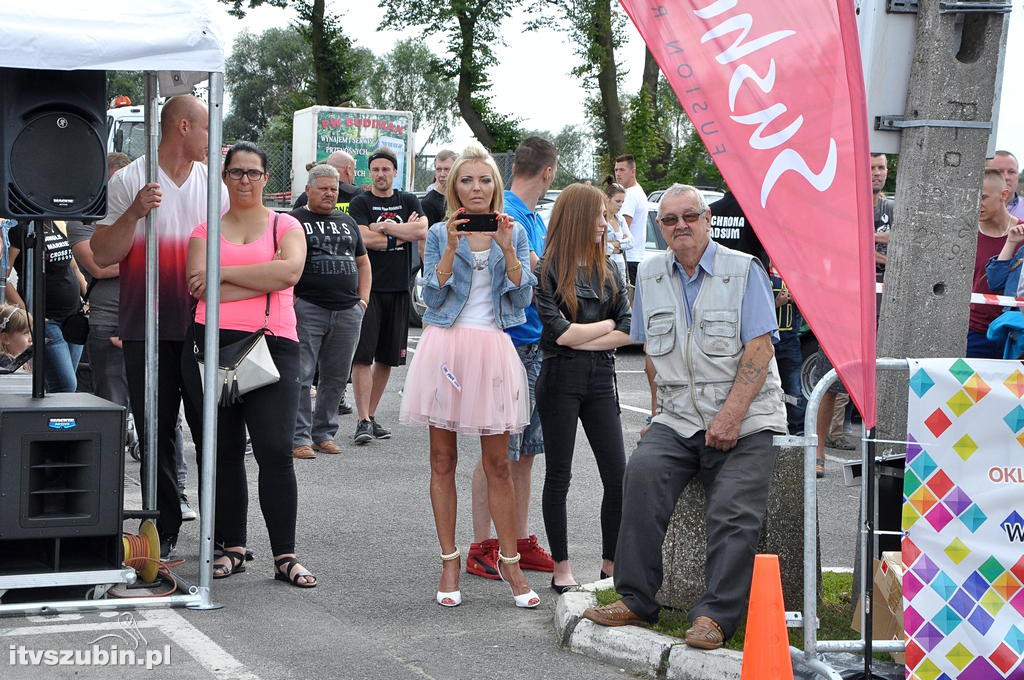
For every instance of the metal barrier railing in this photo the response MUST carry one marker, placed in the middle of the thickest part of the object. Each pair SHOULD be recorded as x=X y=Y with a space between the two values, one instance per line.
x=808 y=656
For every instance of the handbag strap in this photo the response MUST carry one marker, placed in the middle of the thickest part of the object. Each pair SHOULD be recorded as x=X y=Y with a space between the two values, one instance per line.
x=277 y=254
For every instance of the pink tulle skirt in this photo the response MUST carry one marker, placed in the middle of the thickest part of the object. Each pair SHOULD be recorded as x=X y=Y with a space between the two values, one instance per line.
x=467 y=380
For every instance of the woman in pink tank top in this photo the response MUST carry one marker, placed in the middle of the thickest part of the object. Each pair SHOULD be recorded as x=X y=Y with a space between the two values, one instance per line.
x=262 y=256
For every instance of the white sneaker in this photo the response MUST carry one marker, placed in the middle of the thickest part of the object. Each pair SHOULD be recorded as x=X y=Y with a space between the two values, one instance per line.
x=187 y=513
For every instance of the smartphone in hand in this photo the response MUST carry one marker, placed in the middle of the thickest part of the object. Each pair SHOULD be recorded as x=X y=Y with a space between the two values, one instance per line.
x=479 y=222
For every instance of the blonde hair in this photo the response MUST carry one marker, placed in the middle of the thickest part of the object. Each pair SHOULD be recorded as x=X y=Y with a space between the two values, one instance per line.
x=13 y=320
x=474 y=153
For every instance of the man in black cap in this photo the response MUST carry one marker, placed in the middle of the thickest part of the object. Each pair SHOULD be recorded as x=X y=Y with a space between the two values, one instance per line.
x=390 y=221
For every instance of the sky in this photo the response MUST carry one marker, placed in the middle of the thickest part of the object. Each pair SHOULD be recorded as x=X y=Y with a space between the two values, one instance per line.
x=531 y=77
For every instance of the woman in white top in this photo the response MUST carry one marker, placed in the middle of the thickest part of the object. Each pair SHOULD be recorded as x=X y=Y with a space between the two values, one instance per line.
x=618 y=238
x=466 y=377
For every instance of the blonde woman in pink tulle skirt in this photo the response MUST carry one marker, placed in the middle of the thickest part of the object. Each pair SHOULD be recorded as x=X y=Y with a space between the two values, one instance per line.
x=466 y=377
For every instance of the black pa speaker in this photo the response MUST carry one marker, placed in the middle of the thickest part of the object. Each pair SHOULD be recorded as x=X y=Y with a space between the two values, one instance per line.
x=52 y=141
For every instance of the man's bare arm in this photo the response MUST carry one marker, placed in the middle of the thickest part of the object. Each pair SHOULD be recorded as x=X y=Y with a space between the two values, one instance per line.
x=111 y=242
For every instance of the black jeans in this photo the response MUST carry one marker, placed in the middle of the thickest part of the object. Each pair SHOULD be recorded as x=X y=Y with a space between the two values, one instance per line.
x=170 y=395
x=269 y=415
x=736 y=485
x=580 y=387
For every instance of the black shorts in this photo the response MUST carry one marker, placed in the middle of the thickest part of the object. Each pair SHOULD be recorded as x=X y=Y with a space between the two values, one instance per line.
x=385 y=332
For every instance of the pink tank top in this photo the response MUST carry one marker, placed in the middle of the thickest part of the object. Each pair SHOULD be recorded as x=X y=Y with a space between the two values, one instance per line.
x=248 y=315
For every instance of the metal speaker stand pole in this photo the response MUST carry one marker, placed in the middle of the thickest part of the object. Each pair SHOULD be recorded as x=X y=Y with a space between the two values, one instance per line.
x=868 y=552
x=37 y=240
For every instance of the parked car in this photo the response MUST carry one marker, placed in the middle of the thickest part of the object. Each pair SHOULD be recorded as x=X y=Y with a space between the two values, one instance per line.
x=711 y=194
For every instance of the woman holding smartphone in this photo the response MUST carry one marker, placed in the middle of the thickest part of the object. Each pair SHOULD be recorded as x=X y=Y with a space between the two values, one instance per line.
x=585 y=310
x=466 y=377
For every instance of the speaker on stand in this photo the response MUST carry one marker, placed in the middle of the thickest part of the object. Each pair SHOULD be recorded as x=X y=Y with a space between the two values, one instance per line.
x=52 y=149
x=62 y=456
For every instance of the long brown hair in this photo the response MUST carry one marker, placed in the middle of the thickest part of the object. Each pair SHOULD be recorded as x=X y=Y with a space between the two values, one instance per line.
x=570 y=247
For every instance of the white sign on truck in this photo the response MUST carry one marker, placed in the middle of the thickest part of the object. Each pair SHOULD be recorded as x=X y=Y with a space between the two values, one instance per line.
x=318 y=131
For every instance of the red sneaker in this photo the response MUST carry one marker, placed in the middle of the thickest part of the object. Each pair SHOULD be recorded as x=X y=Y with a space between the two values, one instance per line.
x=534 y=557
x=483 y=558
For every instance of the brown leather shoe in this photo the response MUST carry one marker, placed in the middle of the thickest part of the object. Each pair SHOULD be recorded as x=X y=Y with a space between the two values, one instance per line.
x=615 y=614
x=327 y=446
x=705 y=634
x=304 y=452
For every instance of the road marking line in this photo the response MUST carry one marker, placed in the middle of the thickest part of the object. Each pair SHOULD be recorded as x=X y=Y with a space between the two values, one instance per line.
x=644 y=411
x=69 y=628
x=200 y=647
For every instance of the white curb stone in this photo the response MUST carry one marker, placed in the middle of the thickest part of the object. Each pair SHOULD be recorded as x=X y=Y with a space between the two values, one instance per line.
x=635 y=649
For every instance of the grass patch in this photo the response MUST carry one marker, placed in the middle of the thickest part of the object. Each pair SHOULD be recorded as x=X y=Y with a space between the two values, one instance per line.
x=834 y=614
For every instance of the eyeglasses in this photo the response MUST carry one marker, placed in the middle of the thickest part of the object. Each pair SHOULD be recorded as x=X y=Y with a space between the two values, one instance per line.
x=237 y=173
x=673 y=220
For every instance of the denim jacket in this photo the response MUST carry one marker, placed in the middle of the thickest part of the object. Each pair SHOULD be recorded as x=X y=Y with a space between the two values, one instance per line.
x=445 y=303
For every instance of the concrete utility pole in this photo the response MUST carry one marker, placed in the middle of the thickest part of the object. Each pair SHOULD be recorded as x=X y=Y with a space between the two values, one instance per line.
x=931 y=251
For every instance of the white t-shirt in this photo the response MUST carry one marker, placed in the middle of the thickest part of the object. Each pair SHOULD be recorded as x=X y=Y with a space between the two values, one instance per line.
x=181 y=209
x=479 y=309
x=635 y=205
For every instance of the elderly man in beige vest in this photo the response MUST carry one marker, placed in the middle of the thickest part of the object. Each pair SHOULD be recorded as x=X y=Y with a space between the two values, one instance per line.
x=707 y=316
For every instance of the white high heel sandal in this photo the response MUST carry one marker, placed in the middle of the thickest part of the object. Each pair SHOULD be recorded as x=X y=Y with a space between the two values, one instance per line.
x=527 y=600
x=454 y=598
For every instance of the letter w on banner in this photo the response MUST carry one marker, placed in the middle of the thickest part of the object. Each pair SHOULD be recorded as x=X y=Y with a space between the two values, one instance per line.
x=776 y=92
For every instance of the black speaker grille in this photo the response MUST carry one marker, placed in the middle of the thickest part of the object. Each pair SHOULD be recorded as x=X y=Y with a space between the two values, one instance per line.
x=58 y=166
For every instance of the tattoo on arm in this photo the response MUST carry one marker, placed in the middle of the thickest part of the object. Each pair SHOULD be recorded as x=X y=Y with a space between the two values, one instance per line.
x=750 y=372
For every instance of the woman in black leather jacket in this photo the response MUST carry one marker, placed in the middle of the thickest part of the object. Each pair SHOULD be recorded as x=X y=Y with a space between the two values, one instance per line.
x=585 y=311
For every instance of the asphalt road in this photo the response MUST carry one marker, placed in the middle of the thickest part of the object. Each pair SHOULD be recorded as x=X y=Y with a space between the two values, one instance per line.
x=365 y=528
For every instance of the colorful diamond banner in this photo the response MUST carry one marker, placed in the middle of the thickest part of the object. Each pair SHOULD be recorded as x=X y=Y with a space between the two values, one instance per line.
x=963 y=520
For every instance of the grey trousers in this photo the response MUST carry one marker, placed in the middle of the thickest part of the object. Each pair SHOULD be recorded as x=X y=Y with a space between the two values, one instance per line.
x=326 y=338
x=736 y=486
x=107 y=363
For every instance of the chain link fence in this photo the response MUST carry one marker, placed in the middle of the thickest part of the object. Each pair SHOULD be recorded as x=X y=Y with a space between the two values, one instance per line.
x=279 y=165
x=424 y=173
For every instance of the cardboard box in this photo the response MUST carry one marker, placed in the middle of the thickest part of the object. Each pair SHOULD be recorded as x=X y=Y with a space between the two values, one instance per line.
x=887 y=612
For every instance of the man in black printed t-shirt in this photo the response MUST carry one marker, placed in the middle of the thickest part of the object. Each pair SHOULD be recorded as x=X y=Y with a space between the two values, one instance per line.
x=389 y=222
x=730 y=228
x=330 y=300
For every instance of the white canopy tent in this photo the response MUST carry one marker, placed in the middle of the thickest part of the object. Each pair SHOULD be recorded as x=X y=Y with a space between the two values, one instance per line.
x=175 y=43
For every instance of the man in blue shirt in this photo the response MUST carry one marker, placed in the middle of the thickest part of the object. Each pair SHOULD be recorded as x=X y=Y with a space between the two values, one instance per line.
x=532 y=172
x=707 y=316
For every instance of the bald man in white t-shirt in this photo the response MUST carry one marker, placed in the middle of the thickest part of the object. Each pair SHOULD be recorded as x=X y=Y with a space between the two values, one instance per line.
x=634 y=211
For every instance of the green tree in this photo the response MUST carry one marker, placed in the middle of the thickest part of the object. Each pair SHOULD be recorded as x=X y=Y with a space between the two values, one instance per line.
x=644 y=139
x=692 y=164
x=127 y=83
x=410 y=78
x=469 y=28
x=335 y=64
x=595 y=28
x=268 y=75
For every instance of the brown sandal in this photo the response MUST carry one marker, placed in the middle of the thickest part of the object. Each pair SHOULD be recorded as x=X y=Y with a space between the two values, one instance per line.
x=819 y=468
x=705 y=634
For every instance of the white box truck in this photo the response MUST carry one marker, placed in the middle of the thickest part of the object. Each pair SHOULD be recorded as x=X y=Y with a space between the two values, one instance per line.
x=320 y=130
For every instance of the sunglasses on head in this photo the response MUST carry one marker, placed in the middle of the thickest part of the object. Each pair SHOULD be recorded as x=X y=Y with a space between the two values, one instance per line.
x=673 y=220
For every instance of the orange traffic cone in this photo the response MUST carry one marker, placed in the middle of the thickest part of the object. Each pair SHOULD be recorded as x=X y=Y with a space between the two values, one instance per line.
x=766 y=645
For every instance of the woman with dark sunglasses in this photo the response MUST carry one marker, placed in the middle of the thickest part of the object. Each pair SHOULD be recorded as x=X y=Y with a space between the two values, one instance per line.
x=583 y=305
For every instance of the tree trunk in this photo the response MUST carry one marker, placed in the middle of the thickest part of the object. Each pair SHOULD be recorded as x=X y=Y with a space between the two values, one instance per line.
x=318 y=48
x=650 y=79
x=608 y=79
x=464 y=96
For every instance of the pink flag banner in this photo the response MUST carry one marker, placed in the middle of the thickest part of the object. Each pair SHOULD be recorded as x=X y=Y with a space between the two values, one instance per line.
x=776 y=92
